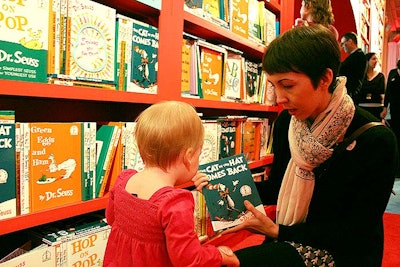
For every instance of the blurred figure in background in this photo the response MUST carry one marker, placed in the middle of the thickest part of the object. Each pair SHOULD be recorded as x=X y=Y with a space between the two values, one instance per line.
x=373 y=89
x=317 y=11
x=354 y=66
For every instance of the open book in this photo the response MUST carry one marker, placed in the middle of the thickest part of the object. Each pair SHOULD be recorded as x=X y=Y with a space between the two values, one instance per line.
x=230 y=183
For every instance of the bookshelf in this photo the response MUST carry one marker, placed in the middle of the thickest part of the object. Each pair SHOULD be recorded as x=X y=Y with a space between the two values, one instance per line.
x=46 y=102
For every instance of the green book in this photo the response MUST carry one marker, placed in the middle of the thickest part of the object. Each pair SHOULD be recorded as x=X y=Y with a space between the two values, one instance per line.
x=8 y=190
x=230 y=184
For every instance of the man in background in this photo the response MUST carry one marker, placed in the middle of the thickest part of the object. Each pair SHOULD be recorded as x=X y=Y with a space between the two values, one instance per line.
x=354 y=66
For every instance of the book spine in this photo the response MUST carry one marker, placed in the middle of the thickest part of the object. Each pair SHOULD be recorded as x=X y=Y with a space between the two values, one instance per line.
x=109 y=159
x=86 y=195
x=92 y=160
x=25 y=167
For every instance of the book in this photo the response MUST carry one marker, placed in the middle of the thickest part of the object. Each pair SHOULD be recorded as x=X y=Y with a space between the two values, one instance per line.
x=106 y=137
x=143 y=68
x=8 y=180
x=232 y=89
x=88 y=159
x=132 y=159
x=55 y=164
x=194 y=6
x=123 y=47
x=91 y=41
x=212 y=60
x=240 y=17
x=88 y=250
x=210 y=149
x=230 y=183
x=115 y=161
x=228 y=137
x=264 y=137
x=270 y=27
x=24 y=40
x=153 y=3
x=251 y=138
x=251 y=81
x=42 y=255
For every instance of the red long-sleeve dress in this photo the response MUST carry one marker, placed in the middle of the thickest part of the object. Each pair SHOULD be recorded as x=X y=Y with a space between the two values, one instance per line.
x=154 y=232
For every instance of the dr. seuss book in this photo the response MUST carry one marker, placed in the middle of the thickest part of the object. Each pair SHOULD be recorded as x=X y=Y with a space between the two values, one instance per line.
x=142 y=73
x=212 y=60
x=24 y=40
x=210 y=149
x=230 y=183
x=90 y=40
x=8 y=190
x=123 y=42
x=55 y=164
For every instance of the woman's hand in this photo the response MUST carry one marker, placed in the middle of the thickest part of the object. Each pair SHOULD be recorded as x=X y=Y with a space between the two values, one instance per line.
x=258 y=223
x=200 y=180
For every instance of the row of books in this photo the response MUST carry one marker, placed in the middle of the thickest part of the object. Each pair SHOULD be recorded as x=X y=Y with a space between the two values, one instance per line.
x=85 y=43
x=76 y=42
x=222 y=73
x=232 y=135
x=77 y=241
x=45 y=165
x=247 y=18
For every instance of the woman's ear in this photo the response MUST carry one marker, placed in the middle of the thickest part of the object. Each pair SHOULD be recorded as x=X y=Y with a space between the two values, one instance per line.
x=326 y=79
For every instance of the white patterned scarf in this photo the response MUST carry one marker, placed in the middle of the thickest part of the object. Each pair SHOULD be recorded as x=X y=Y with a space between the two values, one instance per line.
x=309 y=147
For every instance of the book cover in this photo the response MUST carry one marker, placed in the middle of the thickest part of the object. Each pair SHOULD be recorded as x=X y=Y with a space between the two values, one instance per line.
x=232 y=88
x=143 y=68
x=251 y=139
x=227 y=137
x=254 y=32
x=230 y=183
x=91 y=41
x=153 y=3
x=105 y=140
x=195 y=7
x=8 y=180
x=240 y=17
x=251 y=82
x=43 y=256
x=270 y=27
x=210 y=150
x=212 y=60
x=55 y=164
x=24 y=40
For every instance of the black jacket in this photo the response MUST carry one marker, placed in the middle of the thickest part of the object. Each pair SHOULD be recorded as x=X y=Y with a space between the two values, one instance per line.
x=348 y=202
x=354 y=68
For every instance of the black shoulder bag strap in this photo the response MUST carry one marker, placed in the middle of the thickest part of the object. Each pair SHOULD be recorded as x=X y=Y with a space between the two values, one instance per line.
x=318 y=171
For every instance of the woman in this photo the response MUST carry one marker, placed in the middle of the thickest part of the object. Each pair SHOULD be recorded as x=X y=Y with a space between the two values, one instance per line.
x=373 y=89
x=327 y=215
x=317 y=11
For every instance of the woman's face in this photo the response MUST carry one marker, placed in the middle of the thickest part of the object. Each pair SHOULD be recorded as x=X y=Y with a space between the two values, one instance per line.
x=296 y=93
x=373 y=61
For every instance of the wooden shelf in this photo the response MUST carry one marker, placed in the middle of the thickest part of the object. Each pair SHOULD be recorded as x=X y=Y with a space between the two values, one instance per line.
x=261 y=162
x=22 y=222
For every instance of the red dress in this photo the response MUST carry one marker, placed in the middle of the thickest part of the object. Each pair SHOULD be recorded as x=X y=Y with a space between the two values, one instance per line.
x=154 y=232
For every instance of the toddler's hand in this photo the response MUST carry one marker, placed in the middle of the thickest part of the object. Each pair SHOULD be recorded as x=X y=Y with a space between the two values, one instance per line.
x=200 y=180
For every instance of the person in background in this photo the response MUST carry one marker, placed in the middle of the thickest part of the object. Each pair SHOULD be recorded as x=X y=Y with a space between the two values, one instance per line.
x=354 y=66
x=329 y=204
x=317 y=11
x=373 y=89
x=392 y=98
x=151 y=220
